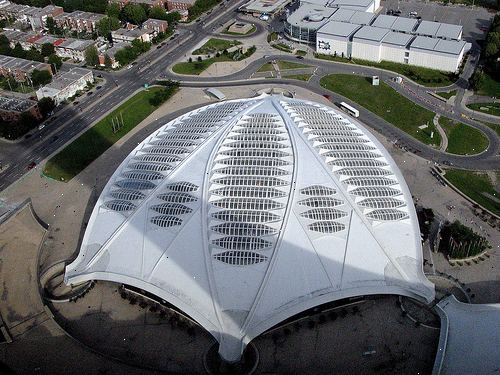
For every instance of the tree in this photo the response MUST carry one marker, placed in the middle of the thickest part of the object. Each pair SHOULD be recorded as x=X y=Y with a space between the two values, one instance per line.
x=40 y=77
x=158 y=13
x=46 y=105
x=55 y=61
x=172 y=17
x=477 y=80
x=108 y=24
x=51 y=25
x=92 y=56
x=47 y=49
x=134 y=13
x=108 y=63
x=113 y=10
x=18 y=51
x=33 y=54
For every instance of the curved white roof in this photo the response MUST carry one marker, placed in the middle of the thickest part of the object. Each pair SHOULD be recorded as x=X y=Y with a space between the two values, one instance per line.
x=244 y=213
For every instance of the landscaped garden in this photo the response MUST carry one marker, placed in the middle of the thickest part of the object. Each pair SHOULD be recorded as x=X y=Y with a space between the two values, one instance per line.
x=197 y=66
x=215 y=45
x=463 y=139
x=386 y=103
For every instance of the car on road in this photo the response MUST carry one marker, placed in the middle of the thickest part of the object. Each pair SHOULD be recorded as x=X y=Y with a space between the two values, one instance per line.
x=158 y=47
x=299 y=57
x=41 y=126
x=31 y=165
x=90 y=93
x=76 y=102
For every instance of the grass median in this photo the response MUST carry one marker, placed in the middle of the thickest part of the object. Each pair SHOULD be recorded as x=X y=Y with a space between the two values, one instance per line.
x=477 y=186
x=463 y=139
x=386 y=103
x=76 y=156
x=489 y=108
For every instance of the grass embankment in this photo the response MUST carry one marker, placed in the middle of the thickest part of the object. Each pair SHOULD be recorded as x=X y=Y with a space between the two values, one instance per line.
x=489 y=108
x=489 y=87
x=423 y=76
x=215 y=45
x=447 y=94
x=463 y=139
x=267 y=67
x=477 y=186
x=386 y=103
x=76 y=156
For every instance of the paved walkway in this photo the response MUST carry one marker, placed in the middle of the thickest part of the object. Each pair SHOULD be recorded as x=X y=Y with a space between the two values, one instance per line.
x=442 y=133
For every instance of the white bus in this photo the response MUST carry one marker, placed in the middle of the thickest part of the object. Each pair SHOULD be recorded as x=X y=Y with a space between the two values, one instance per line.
x=349 y=109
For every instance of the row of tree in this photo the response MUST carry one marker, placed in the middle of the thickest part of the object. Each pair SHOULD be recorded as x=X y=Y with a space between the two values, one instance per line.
x=201 y=6
x=459 y=241
x=96 y=6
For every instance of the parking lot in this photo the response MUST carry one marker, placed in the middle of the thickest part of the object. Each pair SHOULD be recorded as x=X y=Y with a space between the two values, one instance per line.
x=475 y=21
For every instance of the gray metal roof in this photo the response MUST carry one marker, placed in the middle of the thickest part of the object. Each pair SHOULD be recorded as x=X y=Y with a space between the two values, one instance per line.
x=453 y=47
x=362 y=18
x=424 y=42
x=404 y=24
x=343 y=15
x=395 y=23
x=449 y=31
x=427 y=28
x=356 y=3
x=371 y=33
x=336 y=28
x=398 y=39
x=384 y=21
x=310 y=16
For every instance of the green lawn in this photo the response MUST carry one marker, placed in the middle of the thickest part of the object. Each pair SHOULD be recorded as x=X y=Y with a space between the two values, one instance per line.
x=267 y=67
x=447 y=94
x=492 y=108
x=474 y=184
x=463 y=139
x=90 y=145
x=489 y=87
x=300 y=52
x=424 y=76
x=386 y=103
x=215 y=45
x=284 y=65
x=301 y=77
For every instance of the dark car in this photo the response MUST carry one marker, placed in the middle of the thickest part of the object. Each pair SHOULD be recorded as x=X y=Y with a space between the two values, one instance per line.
x=31 y=165
x=90 y=93
x=300 y=57
x=98 y=87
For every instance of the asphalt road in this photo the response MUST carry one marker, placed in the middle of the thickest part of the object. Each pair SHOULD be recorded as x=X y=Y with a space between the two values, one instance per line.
x=72 y=120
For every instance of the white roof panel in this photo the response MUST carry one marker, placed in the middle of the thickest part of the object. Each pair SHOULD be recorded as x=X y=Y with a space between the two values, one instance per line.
x=335 y=28
x=297 y=205
x=375 y=34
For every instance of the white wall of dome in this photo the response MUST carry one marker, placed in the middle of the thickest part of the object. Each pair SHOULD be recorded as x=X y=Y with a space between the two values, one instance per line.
x=246 y=212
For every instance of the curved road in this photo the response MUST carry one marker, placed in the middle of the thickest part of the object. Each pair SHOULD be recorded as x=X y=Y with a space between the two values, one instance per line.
x=73 y=120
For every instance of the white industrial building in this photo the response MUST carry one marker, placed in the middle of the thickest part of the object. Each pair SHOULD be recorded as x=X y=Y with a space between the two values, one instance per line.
x=439 y=30
x=297 y=205
x=394 y=47
x=352 y=16
x=334 y=38
x=436 y=53
x=393 y=23
x=366 y=43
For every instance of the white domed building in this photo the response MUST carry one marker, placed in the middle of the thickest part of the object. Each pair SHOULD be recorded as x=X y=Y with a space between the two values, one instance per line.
x=246 y=212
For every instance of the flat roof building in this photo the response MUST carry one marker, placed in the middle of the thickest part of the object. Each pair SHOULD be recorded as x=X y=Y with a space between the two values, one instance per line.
x=352 y=16
x=270 y=7
x=12 y=108
x=66 y=85
x=20 y=69
x=400 y=24
x=334 y=38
